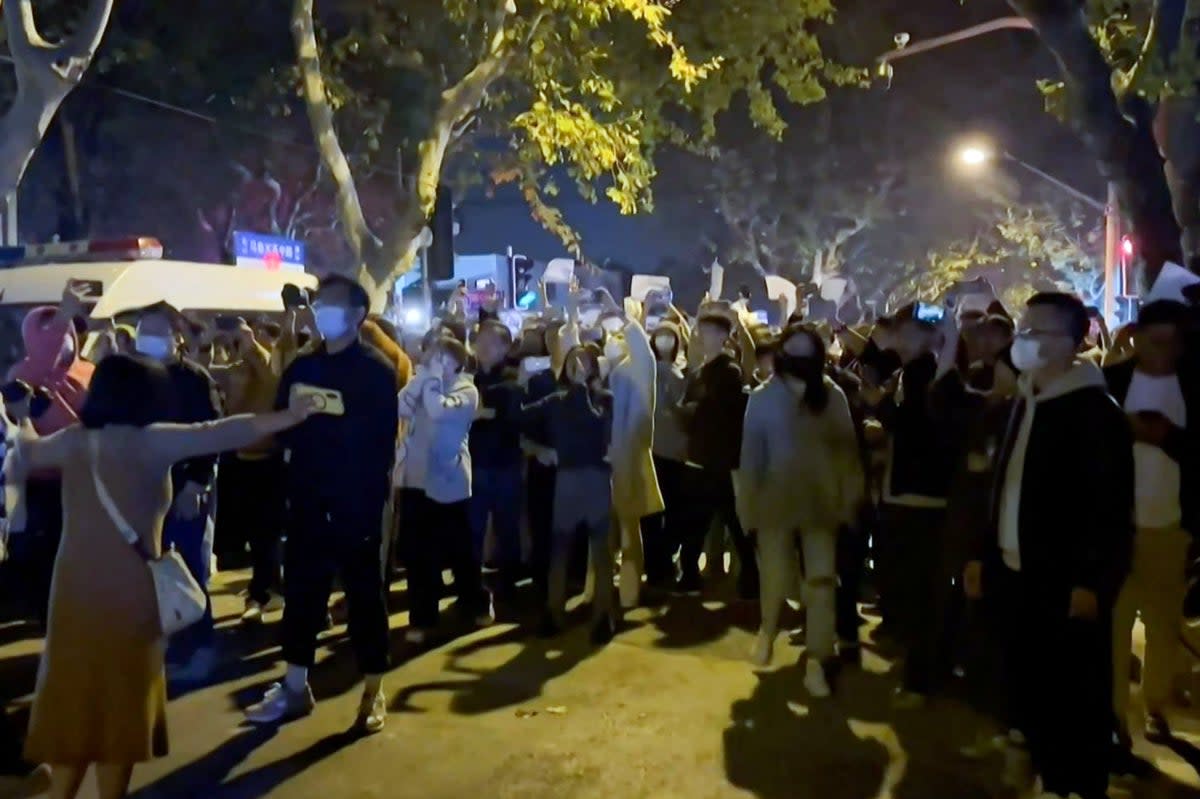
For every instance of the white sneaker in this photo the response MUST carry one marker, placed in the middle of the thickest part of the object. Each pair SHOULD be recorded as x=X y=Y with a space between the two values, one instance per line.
x=372 y=714
x=814 y=680
x=253 y=613
x=763 y=650
x=415 y=635
x=486 y=617
x=280 y=704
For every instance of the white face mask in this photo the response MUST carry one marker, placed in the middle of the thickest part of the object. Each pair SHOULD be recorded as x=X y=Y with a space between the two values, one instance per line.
x=613 y=349
x=156 y=347
x=663 y=345
x=1027 y=354
x=332 y=322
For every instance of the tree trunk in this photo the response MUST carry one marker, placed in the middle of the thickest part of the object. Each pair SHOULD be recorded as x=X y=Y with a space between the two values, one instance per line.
x=45 y=74
x=1124 y=145
x=381 y=262
x=320 y=117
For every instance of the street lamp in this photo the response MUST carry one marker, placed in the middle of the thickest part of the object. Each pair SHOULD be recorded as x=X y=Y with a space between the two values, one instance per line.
x=975 y=155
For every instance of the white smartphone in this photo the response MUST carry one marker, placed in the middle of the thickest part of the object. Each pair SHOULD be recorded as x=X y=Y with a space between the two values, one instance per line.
x=534 y=364
x=329 y=401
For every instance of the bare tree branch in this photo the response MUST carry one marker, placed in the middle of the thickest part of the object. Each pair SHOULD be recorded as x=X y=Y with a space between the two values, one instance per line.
x=320 y=115
x=46 y=73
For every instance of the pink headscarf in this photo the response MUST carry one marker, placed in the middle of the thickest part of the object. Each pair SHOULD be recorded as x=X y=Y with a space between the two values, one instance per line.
x=52 y=362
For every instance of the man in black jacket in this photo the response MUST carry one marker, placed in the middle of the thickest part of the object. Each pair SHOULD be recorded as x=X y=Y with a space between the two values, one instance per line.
x=338 y=481
x=496 y=455
x=714 y=405
x=1059 y=546
x=188 y=527
x=915 y=408
x=1163 y=404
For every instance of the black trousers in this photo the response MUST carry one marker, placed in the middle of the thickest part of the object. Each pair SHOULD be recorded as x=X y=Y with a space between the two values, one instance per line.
x=1061 y=682
x=440 y=533
x=539 y=505
x=989 y=638
x=321 y=545
x=35 y=549
x=851 y=564
x=919 y=588
x=250 y=510
x=711 y=495
x=663 y=533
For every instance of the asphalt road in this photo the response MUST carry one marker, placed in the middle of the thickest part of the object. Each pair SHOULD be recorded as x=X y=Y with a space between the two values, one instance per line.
x=669 y=709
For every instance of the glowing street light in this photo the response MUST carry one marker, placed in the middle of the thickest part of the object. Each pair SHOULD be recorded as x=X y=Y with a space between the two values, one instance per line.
x=974 y=155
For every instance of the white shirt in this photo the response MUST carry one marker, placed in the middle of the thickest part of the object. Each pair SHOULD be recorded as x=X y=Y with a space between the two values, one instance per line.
x=1156 y=475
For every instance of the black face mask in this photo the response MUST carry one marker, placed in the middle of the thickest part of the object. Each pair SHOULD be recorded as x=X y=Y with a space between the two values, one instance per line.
x=800 y=366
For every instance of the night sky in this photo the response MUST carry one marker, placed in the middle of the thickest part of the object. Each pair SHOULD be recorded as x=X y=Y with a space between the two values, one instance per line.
x=983 y=86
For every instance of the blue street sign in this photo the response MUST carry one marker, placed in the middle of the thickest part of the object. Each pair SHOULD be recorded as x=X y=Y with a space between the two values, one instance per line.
x=268 y=252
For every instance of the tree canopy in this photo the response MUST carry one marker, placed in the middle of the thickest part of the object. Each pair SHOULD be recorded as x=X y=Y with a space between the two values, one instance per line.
x=537 y=91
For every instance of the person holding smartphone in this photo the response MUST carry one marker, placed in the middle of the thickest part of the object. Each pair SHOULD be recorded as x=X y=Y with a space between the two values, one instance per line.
x=250 y=481
x=337 y=484
x=1162 y=402
x=496 y=456
x=435 y=473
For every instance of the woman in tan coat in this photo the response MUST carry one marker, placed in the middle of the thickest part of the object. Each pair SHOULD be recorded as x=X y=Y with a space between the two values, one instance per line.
x=101 y=693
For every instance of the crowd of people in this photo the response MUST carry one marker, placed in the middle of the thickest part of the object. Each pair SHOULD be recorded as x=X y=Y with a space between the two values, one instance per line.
x=1010 y=493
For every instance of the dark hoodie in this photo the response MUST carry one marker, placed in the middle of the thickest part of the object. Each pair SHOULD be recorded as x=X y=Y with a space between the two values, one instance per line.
x=1062 y=498
x=715 y=407
x=923 y=436
x=670 y=435
x=496 y=443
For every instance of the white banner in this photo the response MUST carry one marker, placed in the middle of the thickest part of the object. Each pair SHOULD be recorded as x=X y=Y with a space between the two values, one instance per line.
x=641 y=285
x=716 y=280
x=1169 y=285
x=560 y=270
x=782 y=287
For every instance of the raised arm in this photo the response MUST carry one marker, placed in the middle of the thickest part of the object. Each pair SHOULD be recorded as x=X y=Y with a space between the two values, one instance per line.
x=641 y=354
x=410 y=397
x=170 y=443
x=443 y=405
x=33 y=452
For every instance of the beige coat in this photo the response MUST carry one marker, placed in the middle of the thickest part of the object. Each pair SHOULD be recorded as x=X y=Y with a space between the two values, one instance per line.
x=799 y=470
x=632 y=383
x=631 y=379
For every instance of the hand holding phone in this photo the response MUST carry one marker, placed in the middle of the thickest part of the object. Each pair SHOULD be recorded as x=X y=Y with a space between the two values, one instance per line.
x=325 y=400
x=927 y=312
x=294 y=297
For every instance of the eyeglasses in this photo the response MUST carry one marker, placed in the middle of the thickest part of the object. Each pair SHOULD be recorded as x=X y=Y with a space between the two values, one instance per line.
x=1032 y=332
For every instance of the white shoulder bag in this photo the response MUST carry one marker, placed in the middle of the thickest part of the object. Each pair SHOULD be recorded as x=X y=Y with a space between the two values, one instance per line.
x=181 y=600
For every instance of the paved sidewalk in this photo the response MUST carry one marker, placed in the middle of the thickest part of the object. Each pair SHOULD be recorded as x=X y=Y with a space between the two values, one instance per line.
x=670 y=709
